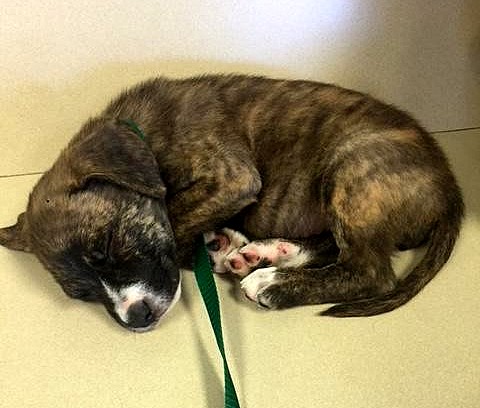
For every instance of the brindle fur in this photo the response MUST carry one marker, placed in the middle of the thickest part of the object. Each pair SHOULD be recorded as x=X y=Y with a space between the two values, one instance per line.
x=272 y=158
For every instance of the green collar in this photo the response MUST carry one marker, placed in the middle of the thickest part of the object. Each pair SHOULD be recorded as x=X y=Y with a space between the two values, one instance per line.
x=133 y=127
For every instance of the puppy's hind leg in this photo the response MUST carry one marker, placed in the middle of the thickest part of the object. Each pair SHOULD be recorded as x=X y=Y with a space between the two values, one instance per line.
x=362 y=270
x=346 y=280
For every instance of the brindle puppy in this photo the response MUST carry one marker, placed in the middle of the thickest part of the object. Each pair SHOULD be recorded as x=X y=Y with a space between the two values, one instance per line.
x=115 y=216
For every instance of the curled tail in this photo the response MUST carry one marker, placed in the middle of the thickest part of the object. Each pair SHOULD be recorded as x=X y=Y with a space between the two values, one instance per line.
x=439 y=248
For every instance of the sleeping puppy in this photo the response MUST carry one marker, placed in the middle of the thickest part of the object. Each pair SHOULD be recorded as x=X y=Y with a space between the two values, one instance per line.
x=355 y=179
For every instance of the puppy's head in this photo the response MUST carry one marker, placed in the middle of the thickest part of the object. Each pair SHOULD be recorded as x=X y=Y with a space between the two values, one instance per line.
x=98 y=221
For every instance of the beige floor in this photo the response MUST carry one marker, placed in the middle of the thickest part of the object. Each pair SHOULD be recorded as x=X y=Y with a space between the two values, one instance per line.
x=59 y=352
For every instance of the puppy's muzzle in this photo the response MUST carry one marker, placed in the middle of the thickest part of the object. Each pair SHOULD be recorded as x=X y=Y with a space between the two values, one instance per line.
x=139 y=308
x=140 y=315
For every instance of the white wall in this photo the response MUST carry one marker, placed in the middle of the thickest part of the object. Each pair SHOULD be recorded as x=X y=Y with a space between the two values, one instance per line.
x=75 y=54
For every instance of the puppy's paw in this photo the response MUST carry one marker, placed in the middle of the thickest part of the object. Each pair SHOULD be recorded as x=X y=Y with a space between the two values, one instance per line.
x=275 y=252
x=220 y=244
x=235 y=263
x=256 y=286
x=262 y=254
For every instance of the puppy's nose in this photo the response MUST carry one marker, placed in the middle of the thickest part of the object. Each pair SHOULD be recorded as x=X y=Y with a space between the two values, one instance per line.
x=140 y=315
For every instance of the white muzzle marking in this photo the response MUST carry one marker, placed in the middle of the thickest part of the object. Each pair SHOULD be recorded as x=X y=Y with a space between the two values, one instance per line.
x=124 y=297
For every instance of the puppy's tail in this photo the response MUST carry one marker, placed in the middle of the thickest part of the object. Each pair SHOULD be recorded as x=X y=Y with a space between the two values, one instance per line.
x=439 y=248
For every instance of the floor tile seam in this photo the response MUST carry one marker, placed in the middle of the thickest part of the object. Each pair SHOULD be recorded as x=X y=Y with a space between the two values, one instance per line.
x=455 y=130
x=34 y=173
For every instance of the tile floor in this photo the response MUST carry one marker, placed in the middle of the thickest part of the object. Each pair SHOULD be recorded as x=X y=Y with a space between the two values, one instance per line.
x=59 y=352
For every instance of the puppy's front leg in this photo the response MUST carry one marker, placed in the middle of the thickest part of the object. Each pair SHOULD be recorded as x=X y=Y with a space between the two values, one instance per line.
x=209 y=202
x=316 y=251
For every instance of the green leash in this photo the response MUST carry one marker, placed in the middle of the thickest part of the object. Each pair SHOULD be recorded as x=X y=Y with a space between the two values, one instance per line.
x=206 y=284
x=208 y=290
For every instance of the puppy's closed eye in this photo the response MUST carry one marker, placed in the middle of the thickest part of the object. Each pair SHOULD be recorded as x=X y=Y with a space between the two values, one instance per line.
x=98 y=258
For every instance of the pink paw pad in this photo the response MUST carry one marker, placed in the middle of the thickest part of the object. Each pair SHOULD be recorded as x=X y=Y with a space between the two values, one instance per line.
x=286 y=249
x=237 y=264
x=274 y=252
x=250 y=256
x=220 y=245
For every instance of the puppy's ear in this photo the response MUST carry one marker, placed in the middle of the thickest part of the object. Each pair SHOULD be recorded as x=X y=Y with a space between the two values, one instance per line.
x=111 y=151
x=15 y=237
